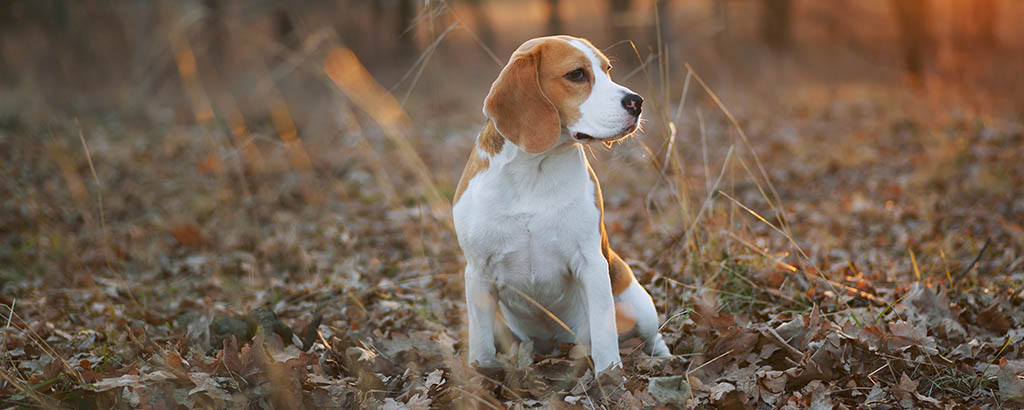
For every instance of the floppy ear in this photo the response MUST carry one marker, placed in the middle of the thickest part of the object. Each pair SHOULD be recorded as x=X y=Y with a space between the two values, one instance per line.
x=519 y=108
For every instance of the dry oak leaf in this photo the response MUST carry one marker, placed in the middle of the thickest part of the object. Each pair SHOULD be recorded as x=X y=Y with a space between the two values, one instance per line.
x=933 y=308
x=670 y=389
x=1011 y=379
x=130 y=380
x=187 y=235
x=904 y=390
x=994 y=320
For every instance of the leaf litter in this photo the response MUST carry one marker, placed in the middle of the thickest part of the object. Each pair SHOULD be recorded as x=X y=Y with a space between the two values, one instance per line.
x=193 y=297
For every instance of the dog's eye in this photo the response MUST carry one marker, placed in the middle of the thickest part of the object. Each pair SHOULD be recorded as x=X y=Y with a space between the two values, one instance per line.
x=576 y=75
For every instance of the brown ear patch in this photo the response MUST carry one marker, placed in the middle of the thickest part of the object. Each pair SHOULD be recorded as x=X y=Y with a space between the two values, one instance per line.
x=618 y=271
x=518 y=106
x=490 y=140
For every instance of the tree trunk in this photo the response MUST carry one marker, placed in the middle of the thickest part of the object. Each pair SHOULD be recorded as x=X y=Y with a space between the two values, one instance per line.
x=406 y=14
x=554 y=20
x=482 y=22
x=617 y=10
x=776 y=17
x=913 y=18
x=985 y=12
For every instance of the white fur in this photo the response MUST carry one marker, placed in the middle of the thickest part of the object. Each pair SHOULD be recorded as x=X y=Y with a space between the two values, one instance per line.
x=601 y=114
x=529 y=229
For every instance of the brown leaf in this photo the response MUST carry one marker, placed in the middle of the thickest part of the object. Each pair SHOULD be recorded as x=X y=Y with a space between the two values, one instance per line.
x=210 y=164
x=187 y=235
x=1011 y=379
x=905 y=388
x=230 y=356
x=434 y=378
x=130 y=380
x=932 y=308
x=669 y=390
x=994 y=320
x=905 y=335
x=820 y=397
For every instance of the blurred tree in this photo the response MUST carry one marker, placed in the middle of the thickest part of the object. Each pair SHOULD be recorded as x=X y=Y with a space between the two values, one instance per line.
x=554 y=25
x=985 y=12
x=913 y=17
x=482 y=22
x=284 y=27
x=215 y=32
x=406 y=15
x=776 y=27
x=722 y=17
x=618 y=15
x=392 y=30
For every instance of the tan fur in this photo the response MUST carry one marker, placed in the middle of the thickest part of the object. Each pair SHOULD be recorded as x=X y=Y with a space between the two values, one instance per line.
x=618 y=271
x=488 y=141
x=531 y=100
x=520 y=110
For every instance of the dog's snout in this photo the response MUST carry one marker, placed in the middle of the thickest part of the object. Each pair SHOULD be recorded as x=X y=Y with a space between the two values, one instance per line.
x=633 y=103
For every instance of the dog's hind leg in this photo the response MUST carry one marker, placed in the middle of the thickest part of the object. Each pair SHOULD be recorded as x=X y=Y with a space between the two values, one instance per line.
x=636 y=315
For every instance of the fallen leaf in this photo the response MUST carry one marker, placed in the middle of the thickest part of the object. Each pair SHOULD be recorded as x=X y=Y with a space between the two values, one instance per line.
x=994 y=320
x=434 y=378
x=669 y=390
x=1011 y=380
x=187 y=235
x=131 y=380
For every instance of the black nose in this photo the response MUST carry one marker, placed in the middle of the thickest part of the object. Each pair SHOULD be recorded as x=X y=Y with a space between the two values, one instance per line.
x=633 y=103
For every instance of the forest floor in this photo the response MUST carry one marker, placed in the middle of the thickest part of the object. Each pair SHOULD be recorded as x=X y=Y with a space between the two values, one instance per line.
x=857 y=245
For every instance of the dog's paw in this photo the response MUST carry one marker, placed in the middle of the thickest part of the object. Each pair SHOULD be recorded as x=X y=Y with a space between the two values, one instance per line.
x=656 y=347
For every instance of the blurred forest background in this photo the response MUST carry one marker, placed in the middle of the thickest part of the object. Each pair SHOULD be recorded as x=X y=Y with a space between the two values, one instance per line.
x=94 y=55
x=826 y=203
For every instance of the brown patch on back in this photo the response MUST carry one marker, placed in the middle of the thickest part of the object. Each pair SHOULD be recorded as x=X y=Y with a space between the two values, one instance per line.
x=490 y=142
x=618 y=271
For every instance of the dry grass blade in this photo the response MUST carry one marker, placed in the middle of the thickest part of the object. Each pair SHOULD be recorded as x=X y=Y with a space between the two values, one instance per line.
x=776 y=202
x=421 y=64
x=344 y=68
x=793 y=269
x=688 y=234
x=547 y=312
x=973 y=262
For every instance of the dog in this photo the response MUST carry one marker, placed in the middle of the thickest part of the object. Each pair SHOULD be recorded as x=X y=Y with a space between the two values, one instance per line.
x=529 y=215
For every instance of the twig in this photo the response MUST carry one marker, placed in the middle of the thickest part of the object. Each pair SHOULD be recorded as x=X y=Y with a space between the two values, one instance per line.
x=689 y=372
x=477 y=398
x=10 y=315
x=704 y=206
x=974 y=262
x=107 y=253
x=772 y=334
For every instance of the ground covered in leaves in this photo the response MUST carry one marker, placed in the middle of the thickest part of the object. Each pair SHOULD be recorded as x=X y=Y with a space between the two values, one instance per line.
x=855 y=246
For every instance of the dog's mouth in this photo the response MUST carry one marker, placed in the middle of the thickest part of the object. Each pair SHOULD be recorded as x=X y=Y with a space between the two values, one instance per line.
x=587 y=138
x=581 y=137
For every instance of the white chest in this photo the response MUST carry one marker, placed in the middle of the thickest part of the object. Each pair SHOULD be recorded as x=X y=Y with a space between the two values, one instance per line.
x=525 y=222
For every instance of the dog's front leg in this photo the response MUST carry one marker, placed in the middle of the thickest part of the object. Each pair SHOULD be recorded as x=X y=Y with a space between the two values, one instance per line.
x=482 y=309
x=597 y=290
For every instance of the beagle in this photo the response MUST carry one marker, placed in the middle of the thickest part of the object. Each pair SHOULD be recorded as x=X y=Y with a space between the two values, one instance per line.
x=528 y=211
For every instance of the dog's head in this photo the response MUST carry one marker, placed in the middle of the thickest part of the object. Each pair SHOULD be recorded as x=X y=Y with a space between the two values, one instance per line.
x=556 y=84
